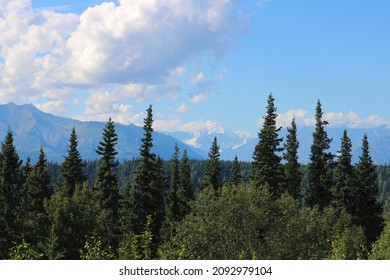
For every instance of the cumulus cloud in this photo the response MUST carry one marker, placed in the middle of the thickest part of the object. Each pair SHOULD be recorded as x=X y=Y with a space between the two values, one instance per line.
x=136 y=49
x=335 y=119
x=183 y=108
x=198 y=78
x=199 y=98
x=195 y=127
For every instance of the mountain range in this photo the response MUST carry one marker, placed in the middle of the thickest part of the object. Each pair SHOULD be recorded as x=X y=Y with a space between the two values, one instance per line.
x=33 y=128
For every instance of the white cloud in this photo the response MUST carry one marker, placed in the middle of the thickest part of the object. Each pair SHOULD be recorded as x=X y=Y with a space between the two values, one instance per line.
x=335 y=119
x=198 y=78
x=135 y=49
x=195 y=127
x=183 y=108
x=199 y=98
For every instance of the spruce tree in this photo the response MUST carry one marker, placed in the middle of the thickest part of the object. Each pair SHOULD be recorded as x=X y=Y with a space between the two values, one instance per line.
x=266 y=167
x=9 y=182
x=106 y=185
x=37 y=191
x=72 y=168
x=292 y=174
x=212 y=171
x=139 y=199
x=38 y=184
x=185 y=192
x=235 y=173
x=159 y=190
x=368 y=211
x=172 y=200
x=320 y=165
x=344 y=177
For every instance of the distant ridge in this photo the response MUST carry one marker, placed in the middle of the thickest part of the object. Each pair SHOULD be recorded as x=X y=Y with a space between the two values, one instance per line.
x=32 y=128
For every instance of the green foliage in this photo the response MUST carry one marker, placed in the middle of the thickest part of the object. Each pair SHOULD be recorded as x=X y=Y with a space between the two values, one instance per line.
x=50 y=247
x=230 y=226
x=266 y=166
x=343 y=194
x=9 y=181
x=235 y=173
x=72 y=219
x=185 y=192
x=247 y=222
x=172 y=202
x=320 y=166
x=106 y=186
x=138 y=246
x=368 y=211
x=72 y=168
x=24 y=251
x=145 y=196
x=212 y=171
x=292 y=173
x=381 y=248
x=139 y=197
x=349 y=245
x=94 y=250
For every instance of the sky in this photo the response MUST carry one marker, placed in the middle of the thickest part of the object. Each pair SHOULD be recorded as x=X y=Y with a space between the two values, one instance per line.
x=202 y=64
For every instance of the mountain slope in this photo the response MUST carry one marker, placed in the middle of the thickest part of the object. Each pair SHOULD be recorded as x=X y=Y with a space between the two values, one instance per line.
x=33 y=128
x=233 y=144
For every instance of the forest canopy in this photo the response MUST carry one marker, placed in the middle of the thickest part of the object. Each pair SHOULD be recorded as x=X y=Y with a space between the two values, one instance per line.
x=146 y=208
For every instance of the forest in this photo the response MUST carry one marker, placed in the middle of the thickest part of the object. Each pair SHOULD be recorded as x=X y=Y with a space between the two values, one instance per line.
x=146 y=208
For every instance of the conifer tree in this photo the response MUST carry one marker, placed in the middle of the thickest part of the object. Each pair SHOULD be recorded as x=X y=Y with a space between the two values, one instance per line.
x=172 y=201
x=139 y=198
x=38 y=184
x=212 y=172
x=266 y=167
x=22 y=199
x=37 y=190
x=320 y=165
x=235 y=173
x=293 y=175
x=344 y=177
x=72 y=168
x=9 y=182
x=158 y=192
x=185 y=191
x=368 y=211
x=106 y=185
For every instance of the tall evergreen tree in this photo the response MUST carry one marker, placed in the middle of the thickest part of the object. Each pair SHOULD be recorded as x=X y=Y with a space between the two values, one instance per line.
x=266 y=167
x=212 y=171
x=38 y=184
x=292 y=174
x=139 y=198
x=185 y=192
x=72 y=168
x=344 y=177
x=9 y=182
x=320 y=165
x=235 y=173
x=37 y=191
x=172 y=200
x=106 y=185
x=158 y=192
x=368 y=211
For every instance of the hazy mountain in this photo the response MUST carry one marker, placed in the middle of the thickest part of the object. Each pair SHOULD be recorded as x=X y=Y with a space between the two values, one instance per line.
x=33 y=128
x=201 y=139
x=242 y=145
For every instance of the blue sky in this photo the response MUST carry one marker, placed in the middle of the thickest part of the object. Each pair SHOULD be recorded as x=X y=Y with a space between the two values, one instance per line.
x=202 y=64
